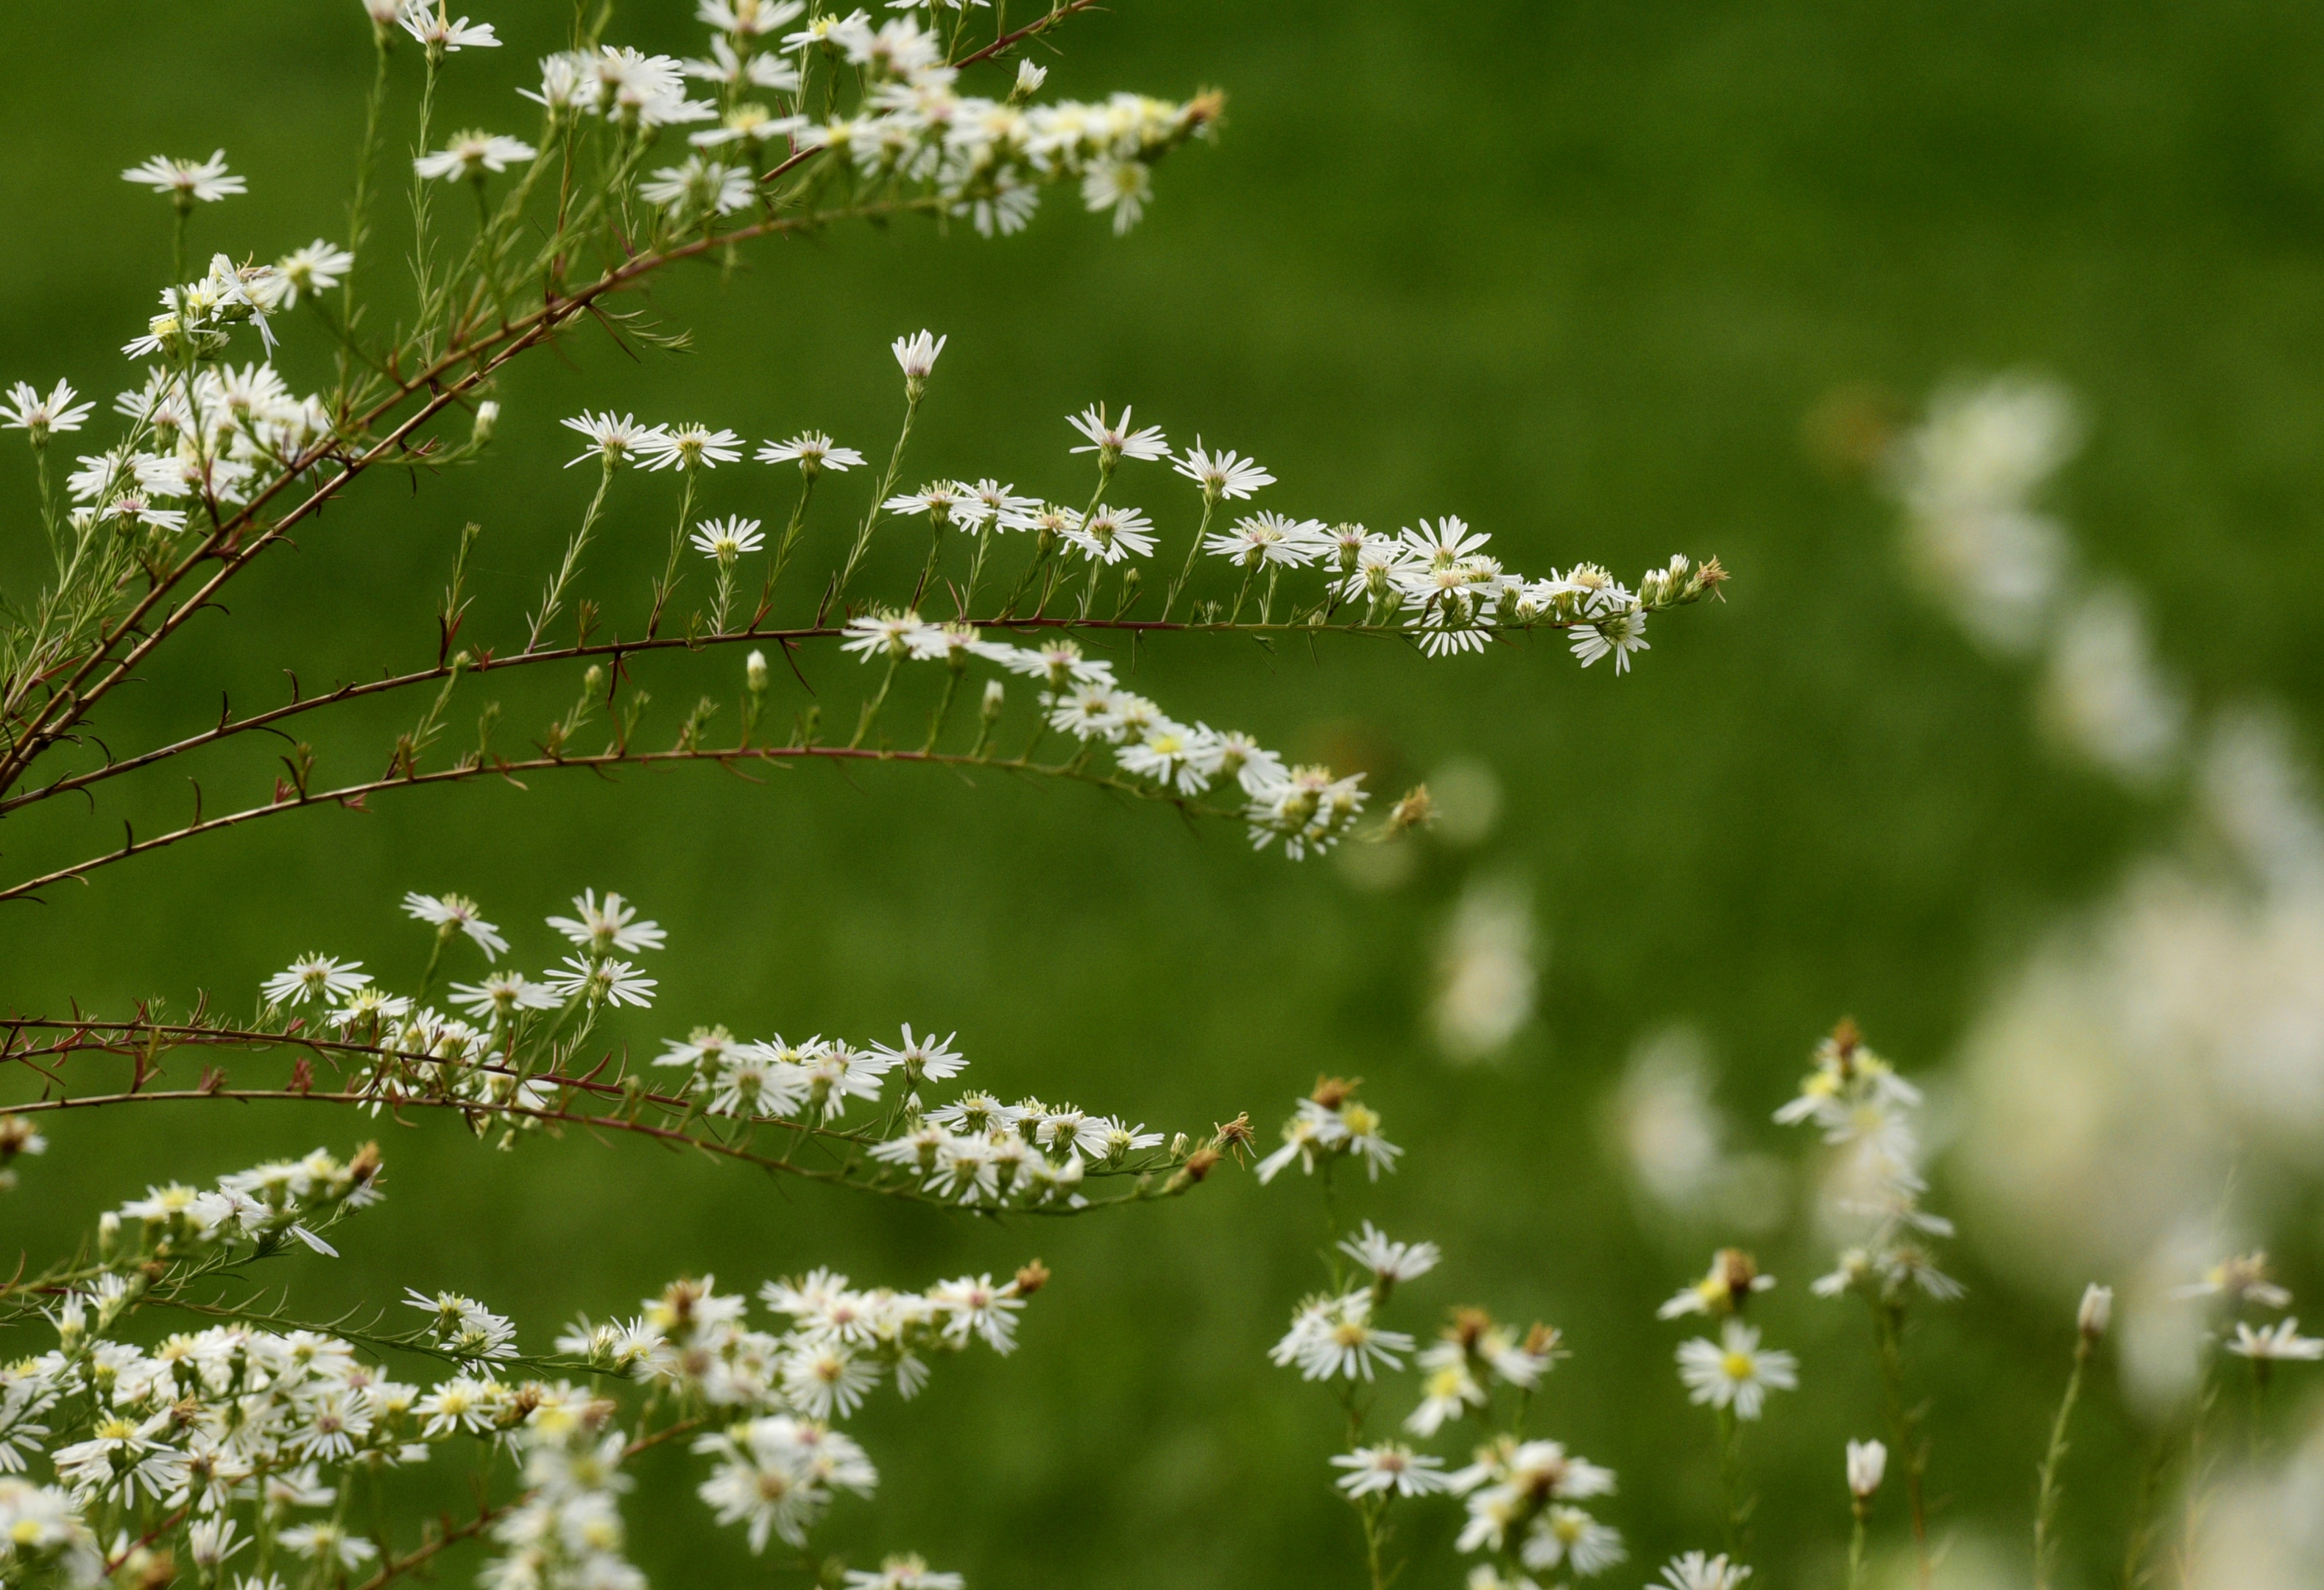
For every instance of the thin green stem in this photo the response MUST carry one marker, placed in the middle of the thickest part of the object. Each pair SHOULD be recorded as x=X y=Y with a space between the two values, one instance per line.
x=1187 y=572
x=871 y=707
x=838 y=597
x=2045 y=1506
x=668 y=581
x=552 y=601
x=1730 y=1480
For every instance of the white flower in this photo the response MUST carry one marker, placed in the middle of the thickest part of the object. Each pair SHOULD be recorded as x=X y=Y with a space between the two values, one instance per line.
x=901 y=1573
x=1121 y=186
x=27 y=410
x=328 y=1541
x=2241 y=1278
x=707 y=186
x=1170 y=753
x=613 y=440
x=1389 y=1466
x=1867 y=1462
x=503 y=994
x=975 y=1306
x=607 y=980
x=1224 y=474
x=1695 y=1571
x=916 y=355
x=1617 y=636
x=1734 y=1371
x=320 y=977
x=455 y=913
x=691 y=445
x=1569 y=1536
x=424 y=21
x=727 y=538
x=2281 y=1340
x=882 y=634
x=208 y=180
x=1111 y=441
x=2097 y=1310
x=748 y=19
x=1268 y=538
x=1732 y=1280
x=1388 y=1261
x=1110 y=534
x=317 y=268
x=812 y=451
x=471 y=155
x=928 y=1057
x=607 y=926
x=1338 y=1338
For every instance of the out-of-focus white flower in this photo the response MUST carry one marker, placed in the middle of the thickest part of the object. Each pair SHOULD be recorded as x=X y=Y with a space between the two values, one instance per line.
x=1487 y=970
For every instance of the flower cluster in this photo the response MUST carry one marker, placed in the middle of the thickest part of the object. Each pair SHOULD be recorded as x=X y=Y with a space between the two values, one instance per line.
x=1330 y=1124
x=1865 y=1110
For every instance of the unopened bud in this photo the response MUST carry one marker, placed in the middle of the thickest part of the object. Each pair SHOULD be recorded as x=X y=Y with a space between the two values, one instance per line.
x=2096 y=1311
x=994 y=694
x=488 y=416
x=1179 y=1146
x=108 y=1235
x=592 y=681
x=754 y=672
x=1867 y=1463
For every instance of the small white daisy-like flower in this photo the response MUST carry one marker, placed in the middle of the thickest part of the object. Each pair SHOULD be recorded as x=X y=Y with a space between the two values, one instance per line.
x=187 y=180
x=1389 y=1466
x=504 y=995
x=901 y=1573
x=326 y=1542
x=1224 y=473
x=613 y=440
x=1337 y=1339
x=44 y=417
x=1117 y=441
x=1867 y=1463
x=882 y=634
x=2280 y=1341
x=1729 y=1283
x=472 y=154
x=726 y=539
x=424 y=21
x=1735 y=1371
x=455 y=913
x=813 y=452
x=930 y=1058
x=1108 y=535
x=916 y=355
x=689 y=446
x=975 y=1306
x=607 y=926
x=1697 y=1571
x=605 y=981
x=1121 y=186
x=707 y=187
x=320 y=977
x=2241 y=1278
x=317 y=268
x=1570 y=1538
x=1390 y=1261
x=1615 y=636
x=1268 y=538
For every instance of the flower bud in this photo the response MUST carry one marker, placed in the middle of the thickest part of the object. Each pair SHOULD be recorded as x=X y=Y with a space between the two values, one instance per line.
x=754 y=672
x=488 y=416
x=108 y=1235
x=1867 y=1462
x=2096 y=1311
x=994 y=694
x=1029 y=79
x=594 y=681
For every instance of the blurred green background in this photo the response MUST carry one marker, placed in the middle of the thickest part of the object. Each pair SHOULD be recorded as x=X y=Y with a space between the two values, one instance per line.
x=1576 y=273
